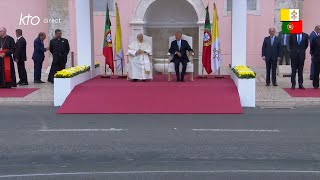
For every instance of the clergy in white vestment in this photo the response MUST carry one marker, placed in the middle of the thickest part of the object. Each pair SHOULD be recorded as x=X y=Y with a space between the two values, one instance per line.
x=139 y=61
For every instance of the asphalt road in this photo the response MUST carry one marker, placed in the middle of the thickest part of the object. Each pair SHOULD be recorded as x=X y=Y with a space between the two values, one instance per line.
x=36 y=143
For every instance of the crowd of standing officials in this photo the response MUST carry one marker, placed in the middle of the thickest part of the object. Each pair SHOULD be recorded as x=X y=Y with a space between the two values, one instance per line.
x=11 y=51
x=290 y=49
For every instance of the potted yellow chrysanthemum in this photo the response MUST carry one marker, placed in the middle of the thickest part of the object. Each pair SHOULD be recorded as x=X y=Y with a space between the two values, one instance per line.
x=244 y=78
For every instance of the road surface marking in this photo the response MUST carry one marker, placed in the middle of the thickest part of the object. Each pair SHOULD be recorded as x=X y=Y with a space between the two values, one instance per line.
x=235 y=130
x=160 y=172
x=82 y=130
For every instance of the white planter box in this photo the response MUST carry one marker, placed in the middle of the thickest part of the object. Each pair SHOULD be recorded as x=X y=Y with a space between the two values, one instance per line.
x=96 y=72
x=64 y=86
x=246 y=90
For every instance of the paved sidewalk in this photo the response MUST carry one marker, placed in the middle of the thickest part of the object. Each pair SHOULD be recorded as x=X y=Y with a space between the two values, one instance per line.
x=266 y=97
x=43 y=96
x=276 y=97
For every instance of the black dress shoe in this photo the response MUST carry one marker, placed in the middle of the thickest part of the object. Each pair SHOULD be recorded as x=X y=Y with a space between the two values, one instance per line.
x=301 y=87
x=275 y=84
x=268 y=84
x=293 y=87
x=182 y=80
x=39 y=81
x=178 y=80
x=316 y=87
x=19 y=82
x=24 y=84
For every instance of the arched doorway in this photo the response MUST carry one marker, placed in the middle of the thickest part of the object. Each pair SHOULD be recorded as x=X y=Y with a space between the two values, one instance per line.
x=160 y=20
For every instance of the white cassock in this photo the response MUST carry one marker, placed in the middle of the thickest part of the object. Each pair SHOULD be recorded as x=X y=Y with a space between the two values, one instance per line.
x=139 y=66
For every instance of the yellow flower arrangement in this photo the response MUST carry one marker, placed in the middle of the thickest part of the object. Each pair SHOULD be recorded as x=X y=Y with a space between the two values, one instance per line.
x=71 y=72
x=244 y=72
x=97 y=64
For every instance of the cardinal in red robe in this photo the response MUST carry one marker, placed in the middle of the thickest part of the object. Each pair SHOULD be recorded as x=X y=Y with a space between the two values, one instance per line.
x=7 y=72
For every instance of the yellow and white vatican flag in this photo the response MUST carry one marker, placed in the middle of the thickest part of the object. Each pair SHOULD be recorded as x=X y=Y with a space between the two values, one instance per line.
x=216 y=51
x=119 y=56
x=289 y=15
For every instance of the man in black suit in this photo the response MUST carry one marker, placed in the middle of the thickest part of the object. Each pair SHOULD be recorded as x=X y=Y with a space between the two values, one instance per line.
x=38 y=56
x=271 y=53
x=20 y=56
x=315 y=53
x=312 y=35
x=298 y=45
x=285 y=48
x=59 y=47
x=179 y=49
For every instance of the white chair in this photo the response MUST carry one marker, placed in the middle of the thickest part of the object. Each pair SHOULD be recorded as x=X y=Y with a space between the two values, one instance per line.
x=190 y=65
x=147 y=39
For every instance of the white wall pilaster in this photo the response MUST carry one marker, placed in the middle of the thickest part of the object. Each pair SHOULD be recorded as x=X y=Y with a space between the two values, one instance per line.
x=239 y=32
x=85 y=38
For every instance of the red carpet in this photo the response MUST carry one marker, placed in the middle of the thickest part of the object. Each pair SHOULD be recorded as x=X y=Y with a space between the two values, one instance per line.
x=118 y=96
x=309 y=92
x=16 y=92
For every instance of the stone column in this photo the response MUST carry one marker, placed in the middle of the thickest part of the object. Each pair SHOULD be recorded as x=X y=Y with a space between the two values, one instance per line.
x=292 y=4
x=59 y=9
x=85 y=38
x=239 y=24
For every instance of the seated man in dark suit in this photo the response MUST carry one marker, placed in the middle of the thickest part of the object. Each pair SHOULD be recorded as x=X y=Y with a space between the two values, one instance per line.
x=179 y=49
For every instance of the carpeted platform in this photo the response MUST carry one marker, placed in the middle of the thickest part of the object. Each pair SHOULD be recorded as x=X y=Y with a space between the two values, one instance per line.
x=16 y=92
x=118 y=96
x=309 y=92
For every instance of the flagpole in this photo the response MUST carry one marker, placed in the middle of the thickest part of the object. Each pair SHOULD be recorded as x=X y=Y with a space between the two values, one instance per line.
x=118 y=30
x=105 y=64
x=122 y=75
x=219 y=70
x=104 y=76
x=202 y=73
x=122 y=67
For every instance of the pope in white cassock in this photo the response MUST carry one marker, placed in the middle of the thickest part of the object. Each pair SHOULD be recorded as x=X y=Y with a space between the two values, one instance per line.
x=140 y=67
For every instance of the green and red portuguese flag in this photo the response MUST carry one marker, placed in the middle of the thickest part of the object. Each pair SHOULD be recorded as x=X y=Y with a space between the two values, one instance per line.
x=207 y=44
x=107 y=46
x=291 y=23
x=292 y=27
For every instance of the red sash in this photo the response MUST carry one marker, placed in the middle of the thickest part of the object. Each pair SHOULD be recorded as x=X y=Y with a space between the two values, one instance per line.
x=6 y=67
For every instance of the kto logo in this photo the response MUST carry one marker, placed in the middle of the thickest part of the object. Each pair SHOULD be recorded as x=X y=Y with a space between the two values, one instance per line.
x=32 y=20
x=35 y=20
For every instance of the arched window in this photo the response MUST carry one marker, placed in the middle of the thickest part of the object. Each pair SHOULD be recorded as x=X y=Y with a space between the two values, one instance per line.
x=253 y=7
